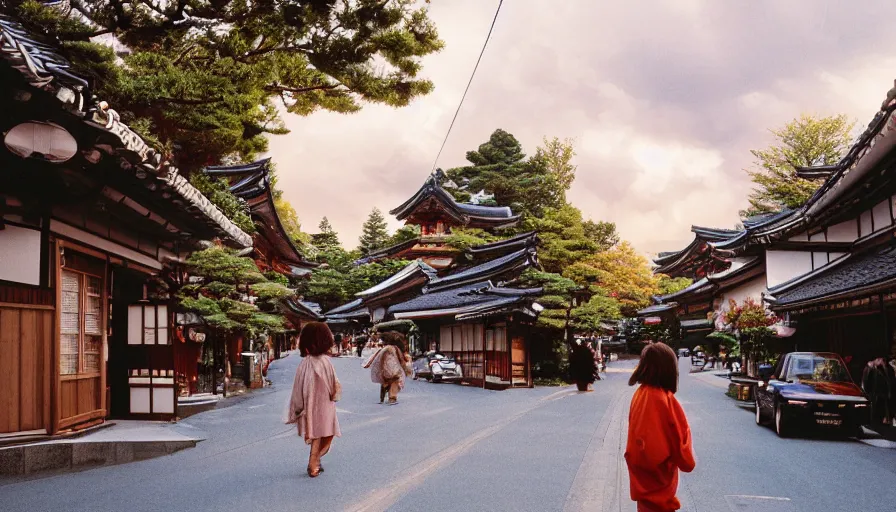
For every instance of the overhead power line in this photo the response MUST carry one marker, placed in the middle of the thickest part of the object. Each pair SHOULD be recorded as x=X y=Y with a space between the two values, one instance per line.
x=459 y=105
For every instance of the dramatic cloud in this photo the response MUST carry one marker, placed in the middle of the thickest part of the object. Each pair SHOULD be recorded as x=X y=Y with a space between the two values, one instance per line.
x=664 y=98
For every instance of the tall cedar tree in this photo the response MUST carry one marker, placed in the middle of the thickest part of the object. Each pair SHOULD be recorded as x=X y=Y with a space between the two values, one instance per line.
x=205 y=77
x=326 y=239
x=375 y=232
x=804 y=142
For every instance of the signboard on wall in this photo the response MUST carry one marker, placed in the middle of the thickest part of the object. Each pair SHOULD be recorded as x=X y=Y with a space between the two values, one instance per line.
x=20 y=255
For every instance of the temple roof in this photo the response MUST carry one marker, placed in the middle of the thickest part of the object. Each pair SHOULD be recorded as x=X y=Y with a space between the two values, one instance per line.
x=414 y=272
x=42 y=67
x=302 y=309
x=696 y=259
x=252 y=183
x=481 y=297
x=432 y=197
x=853 y=276
x=511 y=264
x=505 y=246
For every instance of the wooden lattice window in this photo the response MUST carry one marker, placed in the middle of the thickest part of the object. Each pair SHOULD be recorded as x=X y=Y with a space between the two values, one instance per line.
x=81 y=323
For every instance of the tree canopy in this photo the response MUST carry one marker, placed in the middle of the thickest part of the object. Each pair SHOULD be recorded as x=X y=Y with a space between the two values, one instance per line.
x=205 y=77
x=230 y=294
x=803 y=142
x=500 y=168
x=326 y=239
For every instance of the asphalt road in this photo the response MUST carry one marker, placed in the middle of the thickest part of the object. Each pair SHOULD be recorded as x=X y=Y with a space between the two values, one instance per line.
x=450 y=448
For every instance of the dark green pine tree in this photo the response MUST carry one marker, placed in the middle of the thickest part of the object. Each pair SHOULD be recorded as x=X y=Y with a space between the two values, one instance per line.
x=203 y=79
x=375 y=234
x=327 y=239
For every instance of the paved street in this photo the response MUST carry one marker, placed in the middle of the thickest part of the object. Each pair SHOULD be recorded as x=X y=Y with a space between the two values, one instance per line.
x=450 y=448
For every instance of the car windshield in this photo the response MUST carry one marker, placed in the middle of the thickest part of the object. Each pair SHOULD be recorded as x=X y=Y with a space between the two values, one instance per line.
x=818 y=368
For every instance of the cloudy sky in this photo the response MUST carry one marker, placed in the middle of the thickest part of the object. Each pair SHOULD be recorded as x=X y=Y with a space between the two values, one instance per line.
x=664 y=98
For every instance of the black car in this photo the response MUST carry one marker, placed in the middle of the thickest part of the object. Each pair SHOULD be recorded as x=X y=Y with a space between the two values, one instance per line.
x=811 y=389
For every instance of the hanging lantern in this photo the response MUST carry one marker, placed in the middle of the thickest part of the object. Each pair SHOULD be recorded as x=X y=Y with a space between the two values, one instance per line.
x=48 y=141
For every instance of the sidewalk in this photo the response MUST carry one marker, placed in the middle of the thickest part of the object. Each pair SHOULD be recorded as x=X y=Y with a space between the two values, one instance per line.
x=123 y=441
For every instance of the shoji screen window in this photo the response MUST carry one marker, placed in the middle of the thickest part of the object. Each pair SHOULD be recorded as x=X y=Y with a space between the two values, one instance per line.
x=80 y=323
x=148 y=324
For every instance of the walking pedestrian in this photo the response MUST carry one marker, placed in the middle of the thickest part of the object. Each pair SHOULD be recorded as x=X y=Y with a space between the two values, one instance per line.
x=359 y=345
x=315 y=391
x=659 y=438
x=390 y=365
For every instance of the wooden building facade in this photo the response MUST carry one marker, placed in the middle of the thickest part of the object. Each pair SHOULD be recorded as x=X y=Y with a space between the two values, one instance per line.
x=90 y=215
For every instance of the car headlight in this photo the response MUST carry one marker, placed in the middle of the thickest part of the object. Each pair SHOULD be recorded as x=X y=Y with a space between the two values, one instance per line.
x=797 y=402
x=861 y=405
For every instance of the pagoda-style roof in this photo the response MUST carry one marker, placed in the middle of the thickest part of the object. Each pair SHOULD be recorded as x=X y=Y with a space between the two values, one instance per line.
x=296 y=308
x=252 y=183
x=468 y=301
x=503 y=247
x=503 y=268
x=853 y=276
x=695 y=260
x=434 y=201
x=414 y=275
x=38 y=70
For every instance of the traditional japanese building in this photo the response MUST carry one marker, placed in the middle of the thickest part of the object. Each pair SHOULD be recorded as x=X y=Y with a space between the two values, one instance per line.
x=825 y=268
x=91 y=216
x=457 y=298
x=436 y=212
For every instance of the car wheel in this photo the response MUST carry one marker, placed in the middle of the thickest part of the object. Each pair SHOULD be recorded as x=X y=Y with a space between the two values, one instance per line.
x=758 y=413
x=780 y=422
x=436 y=378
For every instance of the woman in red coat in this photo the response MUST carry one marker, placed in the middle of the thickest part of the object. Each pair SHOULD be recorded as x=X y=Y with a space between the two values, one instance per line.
x=659 y=438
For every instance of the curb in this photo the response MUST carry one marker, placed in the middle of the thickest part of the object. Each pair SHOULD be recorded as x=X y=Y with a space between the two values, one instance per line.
x=38 y=458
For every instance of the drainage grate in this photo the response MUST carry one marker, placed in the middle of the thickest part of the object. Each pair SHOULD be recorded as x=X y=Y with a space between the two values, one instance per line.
x=739 y=503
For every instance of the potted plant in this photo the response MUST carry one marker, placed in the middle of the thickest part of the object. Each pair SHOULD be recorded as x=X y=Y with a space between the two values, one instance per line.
x=583 y=366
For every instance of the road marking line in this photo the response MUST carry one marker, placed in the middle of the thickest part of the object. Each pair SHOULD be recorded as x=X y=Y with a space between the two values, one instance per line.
x=747 y=496
x=257 y=406
x=381 y=500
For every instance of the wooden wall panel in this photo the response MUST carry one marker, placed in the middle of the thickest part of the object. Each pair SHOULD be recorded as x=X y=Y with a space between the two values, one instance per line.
x=26 y=336
x=22 y=294
x=68 y=398
x=9 y=370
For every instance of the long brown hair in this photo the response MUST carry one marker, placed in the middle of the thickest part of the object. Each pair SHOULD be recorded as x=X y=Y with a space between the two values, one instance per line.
x=658 y=368
x=316 y=339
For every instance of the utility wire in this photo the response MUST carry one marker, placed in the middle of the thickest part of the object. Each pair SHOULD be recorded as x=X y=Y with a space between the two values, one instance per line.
x=459 y=105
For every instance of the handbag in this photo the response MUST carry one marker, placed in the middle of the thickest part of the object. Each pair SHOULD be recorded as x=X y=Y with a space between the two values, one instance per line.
x=337 y=392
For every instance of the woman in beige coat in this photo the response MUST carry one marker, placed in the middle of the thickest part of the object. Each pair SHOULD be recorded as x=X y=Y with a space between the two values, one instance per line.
x=315 y=391
x=390 y=365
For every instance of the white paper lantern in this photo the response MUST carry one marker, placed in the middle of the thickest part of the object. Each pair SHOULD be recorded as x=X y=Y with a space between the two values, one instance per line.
x=54 y=143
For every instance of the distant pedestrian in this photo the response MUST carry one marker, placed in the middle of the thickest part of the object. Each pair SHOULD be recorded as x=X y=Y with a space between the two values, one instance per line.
x=659 y=438
x=315 y=391
x=390 y=365
x=359 y=345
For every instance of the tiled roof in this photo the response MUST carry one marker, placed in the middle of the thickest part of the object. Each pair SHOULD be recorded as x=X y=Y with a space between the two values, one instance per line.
x=510 y=264
x=854 y=276
x=478 y=295
x=44 y=68
x=487 y=216
x=303 y=309
x=698 y=287
x=657 y=308
x=415 y=269
x=345 y=307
